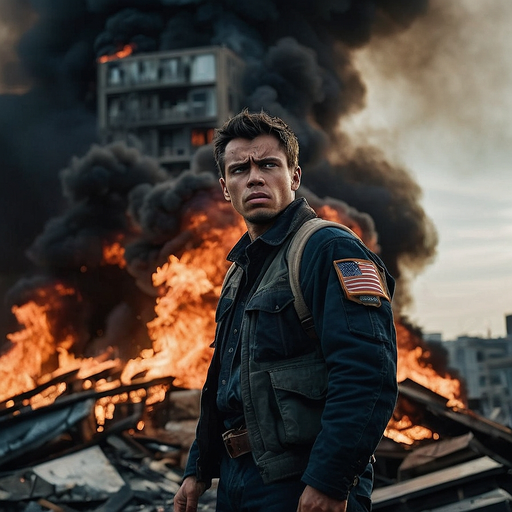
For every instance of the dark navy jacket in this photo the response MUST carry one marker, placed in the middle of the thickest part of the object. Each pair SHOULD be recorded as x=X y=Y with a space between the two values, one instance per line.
x=314 y=409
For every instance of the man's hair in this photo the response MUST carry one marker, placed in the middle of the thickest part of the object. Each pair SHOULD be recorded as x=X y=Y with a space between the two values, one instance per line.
x=246 y=125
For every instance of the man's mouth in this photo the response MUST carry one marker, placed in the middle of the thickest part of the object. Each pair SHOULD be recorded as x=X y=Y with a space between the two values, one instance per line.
x=257 y=197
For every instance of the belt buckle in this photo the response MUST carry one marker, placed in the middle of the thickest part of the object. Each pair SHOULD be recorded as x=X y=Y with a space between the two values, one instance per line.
x=235 y=441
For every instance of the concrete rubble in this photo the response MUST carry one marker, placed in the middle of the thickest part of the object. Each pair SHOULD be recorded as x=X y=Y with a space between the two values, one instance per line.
x=55 y=458
x=47 y=462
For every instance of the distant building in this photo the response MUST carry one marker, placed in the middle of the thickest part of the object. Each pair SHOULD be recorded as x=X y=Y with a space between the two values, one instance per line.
x=169 y=101
x=486 y=366
x=508 y=324
x=433 y=336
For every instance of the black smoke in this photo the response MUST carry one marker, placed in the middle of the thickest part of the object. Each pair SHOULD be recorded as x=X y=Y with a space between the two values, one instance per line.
x=299 y=67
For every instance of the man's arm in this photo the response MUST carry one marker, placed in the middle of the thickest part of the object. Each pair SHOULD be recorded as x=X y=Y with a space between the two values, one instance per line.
x=359 y=345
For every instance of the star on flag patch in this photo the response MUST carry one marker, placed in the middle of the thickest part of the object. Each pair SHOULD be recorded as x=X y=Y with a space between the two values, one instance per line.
x=362 y=281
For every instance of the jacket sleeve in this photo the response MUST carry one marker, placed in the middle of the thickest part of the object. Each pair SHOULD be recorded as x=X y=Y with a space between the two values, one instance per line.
x=190 y=468
x=359 y=345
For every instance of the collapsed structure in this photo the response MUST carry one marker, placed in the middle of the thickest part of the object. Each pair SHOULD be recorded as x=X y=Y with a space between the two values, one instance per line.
x=55 y=457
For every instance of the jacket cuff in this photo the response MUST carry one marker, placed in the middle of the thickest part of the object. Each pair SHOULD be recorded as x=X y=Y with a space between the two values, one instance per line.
x=340 y=492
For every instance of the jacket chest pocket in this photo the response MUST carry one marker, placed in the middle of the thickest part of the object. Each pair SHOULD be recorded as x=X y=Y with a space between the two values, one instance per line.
x=274 y=328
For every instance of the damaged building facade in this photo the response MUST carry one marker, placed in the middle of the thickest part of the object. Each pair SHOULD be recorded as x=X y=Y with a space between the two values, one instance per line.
x=170 y=102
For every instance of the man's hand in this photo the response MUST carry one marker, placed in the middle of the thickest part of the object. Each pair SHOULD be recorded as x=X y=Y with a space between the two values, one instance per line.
x=187 y=497
x=313 y=500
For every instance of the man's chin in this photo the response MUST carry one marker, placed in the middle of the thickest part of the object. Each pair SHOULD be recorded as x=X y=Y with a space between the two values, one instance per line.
x=261 y=217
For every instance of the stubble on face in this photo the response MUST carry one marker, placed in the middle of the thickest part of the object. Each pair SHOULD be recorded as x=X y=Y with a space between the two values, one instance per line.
x=258 y=180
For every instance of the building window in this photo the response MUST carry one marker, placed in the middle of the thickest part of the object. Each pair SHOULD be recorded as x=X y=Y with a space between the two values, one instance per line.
x=202 y=103
x=203 y=68
x=201 y=136
x=174 y=143
x=132 y=72
x=172 y=70
x=114 y=76
x=149 y=71
x=495 y=380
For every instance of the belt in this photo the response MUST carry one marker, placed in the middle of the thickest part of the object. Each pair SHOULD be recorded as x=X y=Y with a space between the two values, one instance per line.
x=236 y=442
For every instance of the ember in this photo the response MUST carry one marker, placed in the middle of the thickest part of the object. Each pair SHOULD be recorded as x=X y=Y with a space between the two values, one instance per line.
x=113 y=254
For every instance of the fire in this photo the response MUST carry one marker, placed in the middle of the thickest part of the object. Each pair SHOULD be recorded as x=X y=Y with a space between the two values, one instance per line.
x=113 y=254
x=38 y=356
x=182 y=331
x=414 y=364
x=336 y=215
x=184 y=327
x=34 y=346
x=127 y=50
x=23 y=351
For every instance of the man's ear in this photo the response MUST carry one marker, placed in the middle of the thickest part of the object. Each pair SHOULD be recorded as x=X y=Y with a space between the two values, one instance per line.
x=297 y=173
x=225 y=192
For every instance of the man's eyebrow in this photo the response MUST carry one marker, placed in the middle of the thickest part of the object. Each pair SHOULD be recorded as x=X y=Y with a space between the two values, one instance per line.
x=257 y=161
x=239 y=163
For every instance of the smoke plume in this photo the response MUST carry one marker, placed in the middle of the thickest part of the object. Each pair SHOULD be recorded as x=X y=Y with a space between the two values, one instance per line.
x=299 y=67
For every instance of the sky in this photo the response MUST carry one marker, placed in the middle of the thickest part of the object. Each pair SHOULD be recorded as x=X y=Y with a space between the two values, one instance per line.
x=439 y=102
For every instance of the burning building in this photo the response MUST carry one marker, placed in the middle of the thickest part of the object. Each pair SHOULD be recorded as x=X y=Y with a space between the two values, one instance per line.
x=126 y=253
x=169 y=101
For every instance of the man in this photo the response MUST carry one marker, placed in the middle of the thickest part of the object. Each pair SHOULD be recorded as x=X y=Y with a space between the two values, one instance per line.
x=300 y=417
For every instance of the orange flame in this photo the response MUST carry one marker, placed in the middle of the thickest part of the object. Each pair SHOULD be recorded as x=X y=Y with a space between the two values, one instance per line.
x=184 y=327
x=189 y=283
x=113 y=254
x=38 y=356
x=126 y=51
x=34 y=347
x=414 y=363
x=330 y=213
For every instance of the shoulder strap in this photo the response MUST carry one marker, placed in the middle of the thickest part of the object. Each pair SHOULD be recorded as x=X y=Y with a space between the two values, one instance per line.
x=294 y=256
x=295 y=251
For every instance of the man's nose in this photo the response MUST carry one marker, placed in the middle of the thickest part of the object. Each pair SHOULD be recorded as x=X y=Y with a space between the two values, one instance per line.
x=255 y=176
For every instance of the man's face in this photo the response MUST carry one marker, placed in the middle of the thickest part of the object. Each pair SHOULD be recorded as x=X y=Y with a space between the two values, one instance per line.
x=258 y=181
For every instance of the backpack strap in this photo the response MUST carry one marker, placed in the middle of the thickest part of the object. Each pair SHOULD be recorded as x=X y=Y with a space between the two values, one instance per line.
x=295 y=251
x=294 y=257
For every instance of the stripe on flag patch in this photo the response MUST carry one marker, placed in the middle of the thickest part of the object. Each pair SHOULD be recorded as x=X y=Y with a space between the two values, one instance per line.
x=360 y=278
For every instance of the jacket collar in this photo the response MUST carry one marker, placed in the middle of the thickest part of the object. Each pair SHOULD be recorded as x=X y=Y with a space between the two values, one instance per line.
x=288 y=221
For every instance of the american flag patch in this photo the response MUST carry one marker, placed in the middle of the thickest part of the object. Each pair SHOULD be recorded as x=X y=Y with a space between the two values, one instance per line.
x=360 y=279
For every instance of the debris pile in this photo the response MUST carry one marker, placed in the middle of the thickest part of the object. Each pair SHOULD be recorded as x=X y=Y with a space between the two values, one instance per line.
x=56 y=457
